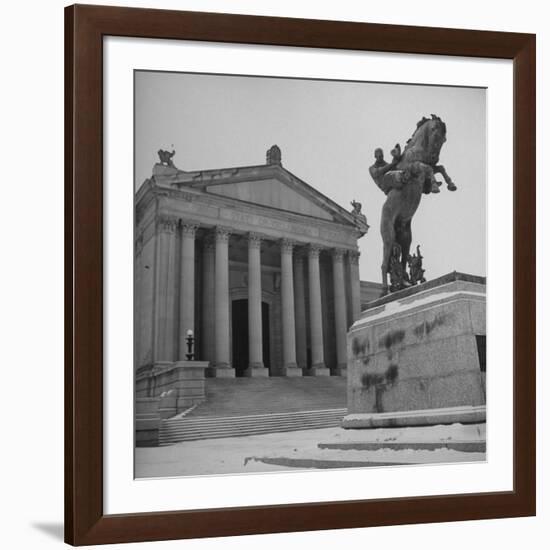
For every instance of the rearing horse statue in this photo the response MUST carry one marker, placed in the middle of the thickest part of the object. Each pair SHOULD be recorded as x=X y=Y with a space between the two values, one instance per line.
x=404 y=180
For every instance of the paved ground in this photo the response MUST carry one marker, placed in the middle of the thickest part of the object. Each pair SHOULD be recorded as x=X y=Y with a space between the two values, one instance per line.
x=306 y=449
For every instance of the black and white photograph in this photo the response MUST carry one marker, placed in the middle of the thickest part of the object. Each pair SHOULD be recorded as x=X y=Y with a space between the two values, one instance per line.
x=309 y=274
x=245 y=294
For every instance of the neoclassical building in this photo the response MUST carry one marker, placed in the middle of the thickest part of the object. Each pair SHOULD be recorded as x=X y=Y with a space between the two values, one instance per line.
x=262 y=267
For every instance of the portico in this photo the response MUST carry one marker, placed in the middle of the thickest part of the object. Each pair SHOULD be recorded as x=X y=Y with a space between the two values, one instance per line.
x=258 y=264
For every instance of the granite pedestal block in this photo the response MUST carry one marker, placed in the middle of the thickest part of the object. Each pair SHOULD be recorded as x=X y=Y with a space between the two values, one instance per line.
x=186 y=378
x=147 y=421
x=422 y=349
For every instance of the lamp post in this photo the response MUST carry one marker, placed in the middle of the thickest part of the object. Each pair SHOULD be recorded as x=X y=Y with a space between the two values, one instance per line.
x=190 y=341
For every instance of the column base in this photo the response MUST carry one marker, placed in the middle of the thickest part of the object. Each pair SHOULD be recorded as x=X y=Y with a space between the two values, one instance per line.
x=220 y=370
x=341 y=370
x=256 y=370
x=317 y=370
x=291 y=370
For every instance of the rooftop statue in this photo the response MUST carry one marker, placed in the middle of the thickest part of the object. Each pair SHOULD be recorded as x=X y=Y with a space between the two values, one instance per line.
x=356 y=212
x=166 y=157
x=410 y=174
x=273 y=155
x=356 y=208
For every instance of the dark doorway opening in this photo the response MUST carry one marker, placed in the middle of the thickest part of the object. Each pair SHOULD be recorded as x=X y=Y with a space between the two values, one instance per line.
x=239 y=321
x=481 y=341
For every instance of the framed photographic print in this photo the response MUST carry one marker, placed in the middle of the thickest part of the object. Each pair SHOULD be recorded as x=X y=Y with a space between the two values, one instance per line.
x=300 y=267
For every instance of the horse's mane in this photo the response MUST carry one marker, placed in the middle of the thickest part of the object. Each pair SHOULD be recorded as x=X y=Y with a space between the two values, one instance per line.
x=419 y=126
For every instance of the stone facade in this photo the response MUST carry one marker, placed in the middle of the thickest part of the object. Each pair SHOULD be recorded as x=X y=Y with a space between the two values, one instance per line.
x=259 y=265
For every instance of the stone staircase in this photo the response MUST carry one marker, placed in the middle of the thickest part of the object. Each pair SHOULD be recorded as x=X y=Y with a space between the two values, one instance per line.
x=253 y=406
x=248 y=396
x=186 y=429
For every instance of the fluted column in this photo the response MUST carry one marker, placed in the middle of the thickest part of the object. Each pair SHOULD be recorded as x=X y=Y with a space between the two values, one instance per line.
x=187 y=285
x=300 y=311
x=318 y=366
x=222 y=365
x=255 y=347
x=165 y=289
x=340 y=314
x=140 y=343
x=208 y=299
x=290 y=368
x=355 y=284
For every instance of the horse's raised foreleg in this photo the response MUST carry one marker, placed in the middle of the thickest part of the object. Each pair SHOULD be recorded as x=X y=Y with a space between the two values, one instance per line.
x=440 y=169
x=430 y=177
x=426 y=178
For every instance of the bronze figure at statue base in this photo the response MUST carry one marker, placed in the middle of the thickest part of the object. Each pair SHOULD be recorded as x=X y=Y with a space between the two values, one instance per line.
x=399 y=277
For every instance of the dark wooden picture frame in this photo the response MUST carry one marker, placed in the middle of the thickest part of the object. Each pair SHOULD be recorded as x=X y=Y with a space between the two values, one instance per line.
x=85 y=27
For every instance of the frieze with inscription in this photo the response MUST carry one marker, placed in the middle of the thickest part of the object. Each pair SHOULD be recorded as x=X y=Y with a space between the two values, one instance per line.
x=269 y=223
x=201 y=207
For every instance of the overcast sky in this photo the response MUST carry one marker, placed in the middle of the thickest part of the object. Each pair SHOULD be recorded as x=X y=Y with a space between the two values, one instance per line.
x=327 y=132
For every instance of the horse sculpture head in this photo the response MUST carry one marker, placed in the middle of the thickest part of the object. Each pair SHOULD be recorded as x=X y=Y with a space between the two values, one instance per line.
x=427 y=140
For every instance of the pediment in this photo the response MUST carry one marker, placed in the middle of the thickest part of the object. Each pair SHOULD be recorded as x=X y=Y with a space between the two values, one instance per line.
x=269 y=186
x=273 y=193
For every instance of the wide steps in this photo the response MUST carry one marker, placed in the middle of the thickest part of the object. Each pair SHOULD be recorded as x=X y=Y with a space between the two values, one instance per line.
x=252 y=396
x=176 y=430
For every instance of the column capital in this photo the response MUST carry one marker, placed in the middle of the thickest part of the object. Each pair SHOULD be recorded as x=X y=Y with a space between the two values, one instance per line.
x=222 y=234
x=287 y=245
x=314 y=250
x=166 y=224
x=254 y=240
x=189 y=227
x=338 y=254
x=354 y=256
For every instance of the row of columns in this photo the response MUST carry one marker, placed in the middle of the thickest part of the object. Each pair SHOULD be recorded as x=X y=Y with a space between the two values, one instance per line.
x=215 y=318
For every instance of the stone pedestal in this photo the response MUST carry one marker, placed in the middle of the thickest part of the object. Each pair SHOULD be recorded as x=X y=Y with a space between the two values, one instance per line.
x=317 y=370
x=219 y=372
x=147 y=421
x=421 y=349
x=182 y=380
x=168 y=404
x=256 y=371
x=291 y=371
x=341 y=371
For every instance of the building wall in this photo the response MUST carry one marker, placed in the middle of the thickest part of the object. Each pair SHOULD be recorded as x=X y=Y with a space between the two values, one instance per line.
x=162 y=212
x=369 y=292
x=144 y=296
